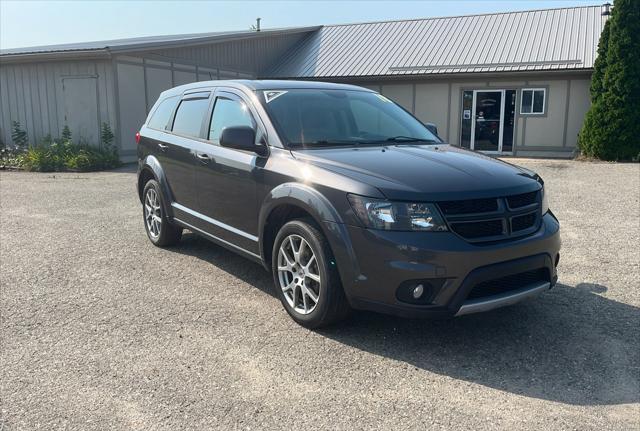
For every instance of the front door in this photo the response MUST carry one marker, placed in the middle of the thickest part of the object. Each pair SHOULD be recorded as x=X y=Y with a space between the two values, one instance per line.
x=226 y=177
x=488 y=120
x=486 y=129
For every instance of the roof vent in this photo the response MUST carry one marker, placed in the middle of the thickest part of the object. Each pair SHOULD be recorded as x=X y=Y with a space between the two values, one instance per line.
x=257 y=26
x=606 y=9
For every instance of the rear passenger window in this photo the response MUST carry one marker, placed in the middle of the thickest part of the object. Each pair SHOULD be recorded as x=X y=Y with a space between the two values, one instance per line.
x=162 y=114
x=228 y=113
x=189 y=117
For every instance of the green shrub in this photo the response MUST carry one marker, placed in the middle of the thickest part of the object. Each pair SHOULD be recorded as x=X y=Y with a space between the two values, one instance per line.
x=80 y=162
x=611 y=130
x=65 y=155
x=62 y=154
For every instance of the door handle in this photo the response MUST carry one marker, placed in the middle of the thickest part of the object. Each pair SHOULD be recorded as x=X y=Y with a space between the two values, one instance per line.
x=163 y=147
x=204 y=157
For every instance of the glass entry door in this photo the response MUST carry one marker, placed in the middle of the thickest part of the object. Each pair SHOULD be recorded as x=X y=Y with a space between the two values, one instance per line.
x=486 y=129
x=487 y=120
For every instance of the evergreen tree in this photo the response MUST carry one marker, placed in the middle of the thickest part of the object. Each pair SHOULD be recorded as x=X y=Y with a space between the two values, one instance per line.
x=66 y=134
x=106 y=136
x=18 y=135
x=597 y=79
x=611 y=130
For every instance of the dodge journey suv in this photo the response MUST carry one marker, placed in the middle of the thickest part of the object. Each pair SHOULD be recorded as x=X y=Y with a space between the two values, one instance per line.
x=346 y=198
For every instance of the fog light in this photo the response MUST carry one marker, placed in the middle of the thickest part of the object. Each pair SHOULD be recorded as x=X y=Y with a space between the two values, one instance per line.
x=418 y=292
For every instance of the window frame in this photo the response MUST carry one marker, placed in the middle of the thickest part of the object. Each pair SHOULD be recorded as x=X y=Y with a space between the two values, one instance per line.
x=544 y=101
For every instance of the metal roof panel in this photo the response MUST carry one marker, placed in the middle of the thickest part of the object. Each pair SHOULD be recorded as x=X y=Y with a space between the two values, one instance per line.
x=549 y=39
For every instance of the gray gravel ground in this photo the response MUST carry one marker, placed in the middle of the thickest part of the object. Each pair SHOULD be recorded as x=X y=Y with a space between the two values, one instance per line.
x=101 y=330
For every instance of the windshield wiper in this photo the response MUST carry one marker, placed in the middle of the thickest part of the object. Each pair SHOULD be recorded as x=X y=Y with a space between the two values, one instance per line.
x=395 y=140
x=410 y=139
x=324 y=143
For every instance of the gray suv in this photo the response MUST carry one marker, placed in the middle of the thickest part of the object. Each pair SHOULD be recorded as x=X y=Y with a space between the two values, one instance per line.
x=346 y=198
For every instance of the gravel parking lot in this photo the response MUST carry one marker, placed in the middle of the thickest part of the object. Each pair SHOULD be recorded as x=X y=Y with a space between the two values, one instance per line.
x=101 y=330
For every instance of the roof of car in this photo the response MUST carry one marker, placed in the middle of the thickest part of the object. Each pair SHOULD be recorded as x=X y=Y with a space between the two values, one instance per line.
x=259 y=85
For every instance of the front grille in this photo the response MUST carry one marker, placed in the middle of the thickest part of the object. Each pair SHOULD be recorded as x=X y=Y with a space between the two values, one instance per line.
x=493 y=219
x=474 y=206
x=519 y=201
x=479 y=229
x=508 y=283
x=523 y=222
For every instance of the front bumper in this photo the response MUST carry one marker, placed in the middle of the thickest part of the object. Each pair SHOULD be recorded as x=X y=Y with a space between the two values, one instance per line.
x=383 y=260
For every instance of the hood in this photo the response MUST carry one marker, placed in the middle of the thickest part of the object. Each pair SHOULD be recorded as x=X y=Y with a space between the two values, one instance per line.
x=424 y=172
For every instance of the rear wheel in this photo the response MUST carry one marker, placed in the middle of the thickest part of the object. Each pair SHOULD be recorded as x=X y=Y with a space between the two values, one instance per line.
x=306 y=277
x=159 y=230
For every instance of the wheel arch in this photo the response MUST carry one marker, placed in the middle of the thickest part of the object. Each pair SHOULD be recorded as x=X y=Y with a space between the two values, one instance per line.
x=291 y=201
x=152 y=169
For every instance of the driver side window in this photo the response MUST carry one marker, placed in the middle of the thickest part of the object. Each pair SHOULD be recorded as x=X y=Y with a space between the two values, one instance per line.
x=228 y=113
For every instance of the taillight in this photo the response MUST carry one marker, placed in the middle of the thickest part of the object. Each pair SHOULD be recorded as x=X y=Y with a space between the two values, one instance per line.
x=137 y=137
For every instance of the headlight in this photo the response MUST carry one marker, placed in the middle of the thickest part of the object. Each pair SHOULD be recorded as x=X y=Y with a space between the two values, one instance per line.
x=545 y=201
x=386 y=215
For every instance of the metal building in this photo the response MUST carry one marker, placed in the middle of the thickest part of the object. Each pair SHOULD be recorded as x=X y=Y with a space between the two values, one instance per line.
x=507 y=83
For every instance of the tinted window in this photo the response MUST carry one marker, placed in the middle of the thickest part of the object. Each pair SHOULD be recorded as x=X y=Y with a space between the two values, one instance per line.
x=340 y=117
x=162 y=114
x=228 y=113
x=189 y=117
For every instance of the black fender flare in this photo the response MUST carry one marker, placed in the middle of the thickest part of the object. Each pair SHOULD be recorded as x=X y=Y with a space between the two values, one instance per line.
x=151 y=164
x=324 y=214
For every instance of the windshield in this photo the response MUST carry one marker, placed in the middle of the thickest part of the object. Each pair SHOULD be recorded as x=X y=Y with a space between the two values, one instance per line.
x=314 y=118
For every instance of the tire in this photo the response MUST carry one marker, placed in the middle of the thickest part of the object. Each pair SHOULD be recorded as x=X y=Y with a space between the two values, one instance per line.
x=331 y=304
x=160 y=231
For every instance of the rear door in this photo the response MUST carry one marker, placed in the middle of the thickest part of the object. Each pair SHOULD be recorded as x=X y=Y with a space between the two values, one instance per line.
x=176 y=154
x=226 y=177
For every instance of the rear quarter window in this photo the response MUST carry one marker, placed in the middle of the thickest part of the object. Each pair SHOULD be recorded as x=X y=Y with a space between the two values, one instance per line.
x=160 y=118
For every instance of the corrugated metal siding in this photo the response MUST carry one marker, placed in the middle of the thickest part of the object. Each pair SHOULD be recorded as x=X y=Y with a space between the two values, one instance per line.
x=250 y=55
x=517 y=41
x=151 y=42
x=32 y=94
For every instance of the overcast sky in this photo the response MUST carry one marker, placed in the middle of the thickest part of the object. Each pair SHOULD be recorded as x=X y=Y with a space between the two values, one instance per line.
x=31 y=23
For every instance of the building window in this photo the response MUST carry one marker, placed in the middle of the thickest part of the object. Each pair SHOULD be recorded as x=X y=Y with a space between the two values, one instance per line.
x=533 y=101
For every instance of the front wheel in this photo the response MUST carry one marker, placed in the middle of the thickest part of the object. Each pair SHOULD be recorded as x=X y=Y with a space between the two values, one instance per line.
x=306 y=277
x=159 y=230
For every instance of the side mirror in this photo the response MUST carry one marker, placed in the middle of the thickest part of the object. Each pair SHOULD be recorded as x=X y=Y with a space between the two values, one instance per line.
x=432 y=128
x=241 y=138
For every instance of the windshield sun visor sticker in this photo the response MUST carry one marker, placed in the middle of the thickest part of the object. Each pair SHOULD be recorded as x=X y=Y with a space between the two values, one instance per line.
x=272 y=95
